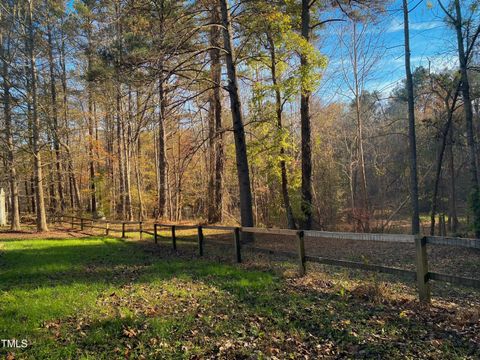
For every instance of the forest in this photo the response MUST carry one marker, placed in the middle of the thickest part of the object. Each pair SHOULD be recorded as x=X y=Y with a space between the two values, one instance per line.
x=358 y=115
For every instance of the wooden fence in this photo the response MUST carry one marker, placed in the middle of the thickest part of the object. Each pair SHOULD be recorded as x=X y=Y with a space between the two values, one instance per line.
x=422 y=275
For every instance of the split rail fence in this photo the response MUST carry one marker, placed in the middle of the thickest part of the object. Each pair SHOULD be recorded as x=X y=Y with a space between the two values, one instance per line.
x=422 y=275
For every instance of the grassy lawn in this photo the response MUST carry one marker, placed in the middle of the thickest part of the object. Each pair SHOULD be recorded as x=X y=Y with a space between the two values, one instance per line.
x=102 y=298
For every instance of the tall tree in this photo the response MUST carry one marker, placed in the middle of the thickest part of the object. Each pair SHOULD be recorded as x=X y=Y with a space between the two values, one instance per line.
x=54 y=115
x=306 y=149
x=411 y=126
x=33 y=101
x=243 y=171
x=216 y=147
x=6 y=58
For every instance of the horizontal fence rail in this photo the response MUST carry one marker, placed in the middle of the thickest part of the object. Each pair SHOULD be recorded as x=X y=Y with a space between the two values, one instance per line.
x=362 y=266
x=454 y=279
x=397 y=238
x=421 y=275
x=449 y=241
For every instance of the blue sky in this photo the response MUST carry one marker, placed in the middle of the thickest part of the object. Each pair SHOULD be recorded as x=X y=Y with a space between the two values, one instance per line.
x=432 y=44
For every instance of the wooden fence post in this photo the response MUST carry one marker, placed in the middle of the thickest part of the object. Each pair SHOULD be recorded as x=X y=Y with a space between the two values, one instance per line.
x=81 y=224
x=107 y=228
x=174 y=238
x=200 y=240
x=422 y=269
x=155 y=231
x=236 y=244
x=123 y=230
x=140 y=225
x=301 y=253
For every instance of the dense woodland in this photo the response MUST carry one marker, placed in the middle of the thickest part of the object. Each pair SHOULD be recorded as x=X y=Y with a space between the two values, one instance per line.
x=217 y=111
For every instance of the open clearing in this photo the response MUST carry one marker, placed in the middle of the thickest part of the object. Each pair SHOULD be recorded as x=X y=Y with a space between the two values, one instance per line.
x=104 y=298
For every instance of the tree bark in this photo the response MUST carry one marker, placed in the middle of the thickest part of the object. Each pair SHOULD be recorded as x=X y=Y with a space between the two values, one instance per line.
x=12 y=171
x=120 y=118
x=61 y=205
x=91 y=125
x=216 y=151
x=74 y=190
x=452 y=213
x=162 y=151
x=127 y=142
x=27 y=196
x=467 y=108
x=122 y=204
x=238 y=127
x=37 y=160
x=441 y=151
x=411 y=127
x=306 y=150
x=141 y=207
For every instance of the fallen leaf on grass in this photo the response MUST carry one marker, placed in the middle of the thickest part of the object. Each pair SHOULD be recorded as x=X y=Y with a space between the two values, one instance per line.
x=129 y=332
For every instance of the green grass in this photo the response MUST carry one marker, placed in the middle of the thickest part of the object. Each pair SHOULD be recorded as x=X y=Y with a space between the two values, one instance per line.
x=101 y=298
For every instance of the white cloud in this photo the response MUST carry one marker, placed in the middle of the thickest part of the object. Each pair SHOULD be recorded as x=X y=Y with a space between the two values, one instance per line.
x=397 y=25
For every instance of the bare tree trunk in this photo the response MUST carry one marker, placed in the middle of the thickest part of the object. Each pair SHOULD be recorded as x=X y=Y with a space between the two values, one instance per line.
x=37 y=160
x=120 y=118
x=12 y=171
x=178 y=178
x=56 y=137
x=110 y=167
x=279 y=113
x=216 y=151
x=33 y=199
x=452 y=213
x=27 y=196
x=211 y=152
x=411 y=127
x=91 y=125
x=162 y=152
x=365 y=216
x=211 y=163
x=306 y=150
x=219 y=150
x=467 y=108
x=74 y=190
x=127 y=136
x=141 y=210
x=438 y=172
x=446 y=133
x=238 y=128
x=121 y=164
x=52 y=193
x=30 y=136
